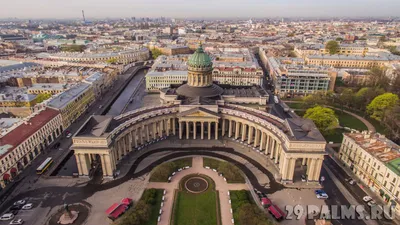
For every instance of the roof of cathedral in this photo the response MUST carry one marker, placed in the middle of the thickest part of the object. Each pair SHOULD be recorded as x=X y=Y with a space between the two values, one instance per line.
x=199 y=59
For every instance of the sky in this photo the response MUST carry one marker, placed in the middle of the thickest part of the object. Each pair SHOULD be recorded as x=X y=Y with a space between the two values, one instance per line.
x=64 y=9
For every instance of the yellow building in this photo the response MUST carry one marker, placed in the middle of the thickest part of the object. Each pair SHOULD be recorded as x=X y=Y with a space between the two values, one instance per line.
x=343 y=61
x=374 y=159
x=73 y=102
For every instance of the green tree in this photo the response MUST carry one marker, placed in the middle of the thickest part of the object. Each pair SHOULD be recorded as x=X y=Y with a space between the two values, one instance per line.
x=324 y=118
x=378 y=78
x=346 y=97
x=318 y=98
x=391 y=120
x=155 y=53
x=380 y=104
x=365 y=95
x=339 y=39
x=332 y=47
x=42 y=97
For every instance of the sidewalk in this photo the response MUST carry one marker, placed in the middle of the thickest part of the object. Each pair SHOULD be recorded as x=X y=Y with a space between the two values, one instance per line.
x=197 y=167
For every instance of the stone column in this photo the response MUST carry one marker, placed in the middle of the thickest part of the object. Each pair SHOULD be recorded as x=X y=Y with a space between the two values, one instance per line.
x=103 y=165
x=180 y=130
x=267 y=148
x=134 y=138
x=78 y=163
x=216 y=130
x=250 y=137
x=273 y=142
x=147 y=133
x=161 y=128
x=108 y=165
x=277 y=152
x=230 y=128
x=311 y=170
x=262 y=141
x=292 y=164
x=257 y=138
x=209 y=130
x=187 y=130
x=304 y=162
x=194 y=129
x=237 y=125
x=154 y=130
x=223 y=127
x=167 y=122
x=174 y=127
x=285 y=169
x=244 y=131
x=317 y=169
x=202 y=130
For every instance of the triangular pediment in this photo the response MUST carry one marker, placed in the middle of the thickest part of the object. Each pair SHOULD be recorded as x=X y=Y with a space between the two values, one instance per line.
x=199 y=112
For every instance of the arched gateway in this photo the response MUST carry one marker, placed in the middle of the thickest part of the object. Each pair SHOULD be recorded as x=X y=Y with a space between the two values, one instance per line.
x=199 y=110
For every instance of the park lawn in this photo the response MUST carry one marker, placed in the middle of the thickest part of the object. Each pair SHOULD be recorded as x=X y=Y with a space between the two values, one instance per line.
x=347 y=120
x=163 y=171
x=155 y=208
x=240 y=198
x=196 y=209
x=295 y=105
x=232 y=173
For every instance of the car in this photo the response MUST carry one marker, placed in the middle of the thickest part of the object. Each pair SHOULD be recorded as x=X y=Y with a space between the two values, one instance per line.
x=100 y=106
x=13 y=211
x=371 y=203
x=20 y=202
x=352 y=182
x=367 y=198
x=57 y=145
x=69 y=135
x=16 y=207
x=320 y=191
x=7 y=216
x=60 y=149
x=303 y=178
x=17 y=221
x=322 y=196
x=27 y=206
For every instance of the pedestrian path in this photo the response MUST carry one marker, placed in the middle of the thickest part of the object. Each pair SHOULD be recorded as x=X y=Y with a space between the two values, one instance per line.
x=197 y=168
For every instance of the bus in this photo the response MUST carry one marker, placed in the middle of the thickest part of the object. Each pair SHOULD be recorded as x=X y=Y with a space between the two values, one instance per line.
x=43 y=167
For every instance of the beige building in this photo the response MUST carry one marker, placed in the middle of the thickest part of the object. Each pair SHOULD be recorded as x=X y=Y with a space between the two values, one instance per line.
x=343 y=61
x=20 y=145
x=199 y=112
x=73 y=102
x=375 y=160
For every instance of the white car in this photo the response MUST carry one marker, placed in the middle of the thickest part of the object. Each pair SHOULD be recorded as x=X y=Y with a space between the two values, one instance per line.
x=17 y=221
x=322 y=196
x=20 y=202
x=27 y=206
x=7 y=216
x=69 y=135
x=367 y=198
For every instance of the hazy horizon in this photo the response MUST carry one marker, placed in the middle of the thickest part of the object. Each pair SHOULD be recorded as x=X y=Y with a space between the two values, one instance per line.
x=46 y=9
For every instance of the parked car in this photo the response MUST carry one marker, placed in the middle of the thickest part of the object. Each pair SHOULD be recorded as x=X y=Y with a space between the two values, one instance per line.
x=14 y=212
x=303 y=178
x=69 y=135
x=20 y=202
x=322 y=196
x=352 y=182
x=367 y=198
x=60 y=149
x=27 y=206
x=7 y=216
x=16 y=207
x=319 y=191
x=17 y=221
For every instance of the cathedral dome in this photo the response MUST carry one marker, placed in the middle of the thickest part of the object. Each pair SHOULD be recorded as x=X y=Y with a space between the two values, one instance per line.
x=199 y=59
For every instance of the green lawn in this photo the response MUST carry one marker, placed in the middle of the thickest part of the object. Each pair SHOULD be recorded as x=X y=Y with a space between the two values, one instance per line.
x=347 y=120
x=229 y=171
x=243 y=204
x=155 y=208
x=163 y=171
x=196 y=209
x=295 y=105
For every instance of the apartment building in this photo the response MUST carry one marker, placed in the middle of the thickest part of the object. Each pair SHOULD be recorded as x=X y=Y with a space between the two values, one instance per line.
x=375 y=160
x=291 y=77
x=345 y=61
x=73 y=102
x=24 y=141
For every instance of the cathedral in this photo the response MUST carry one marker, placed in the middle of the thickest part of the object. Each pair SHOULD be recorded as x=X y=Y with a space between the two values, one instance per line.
x=201 y=109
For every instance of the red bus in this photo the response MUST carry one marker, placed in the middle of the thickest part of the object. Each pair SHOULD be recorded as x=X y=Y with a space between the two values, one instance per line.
x=276 y=212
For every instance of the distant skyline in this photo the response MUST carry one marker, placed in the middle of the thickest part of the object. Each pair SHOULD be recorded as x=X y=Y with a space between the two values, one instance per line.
x=59 y=9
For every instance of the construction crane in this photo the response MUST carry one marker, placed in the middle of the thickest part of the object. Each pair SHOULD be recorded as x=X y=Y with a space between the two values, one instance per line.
x=83 y=15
